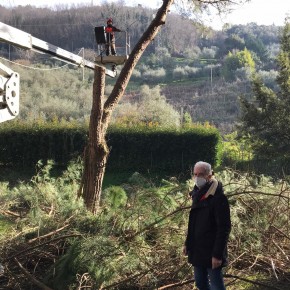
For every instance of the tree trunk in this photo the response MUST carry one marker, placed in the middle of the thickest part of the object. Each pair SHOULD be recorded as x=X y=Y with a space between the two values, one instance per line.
x=96 y=152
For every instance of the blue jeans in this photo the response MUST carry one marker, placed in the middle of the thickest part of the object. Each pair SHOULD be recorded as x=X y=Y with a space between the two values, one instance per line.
x=209 y=279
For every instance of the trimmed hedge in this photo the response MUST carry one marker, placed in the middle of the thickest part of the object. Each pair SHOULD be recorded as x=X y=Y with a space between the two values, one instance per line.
x=136 y=148
x=162 y=149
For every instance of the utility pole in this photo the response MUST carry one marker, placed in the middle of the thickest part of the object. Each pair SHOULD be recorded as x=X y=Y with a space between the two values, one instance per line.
x=83 y=50
x=181 y=116
x=211 y=77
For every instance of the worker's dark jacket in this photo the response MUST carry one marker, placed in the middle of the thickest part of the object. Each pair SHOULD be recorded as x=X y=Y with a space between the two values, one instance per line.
x=208 y=227
x=110 y=29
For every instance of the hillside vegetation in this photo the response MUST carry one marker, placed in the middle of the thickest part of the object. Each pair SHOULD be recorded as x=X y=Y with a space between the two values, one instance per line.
x=199 y=70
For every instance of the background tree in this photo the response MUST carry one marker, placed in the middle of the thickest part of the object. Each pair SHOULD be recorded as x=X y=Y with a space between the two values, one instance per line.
x=266 y=120
x=151 y=109
x=237 y=60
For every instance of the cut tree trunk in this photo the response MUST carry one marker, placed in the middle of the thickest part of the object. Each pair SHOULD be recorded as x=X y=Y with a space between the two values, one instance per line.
x=96 y=152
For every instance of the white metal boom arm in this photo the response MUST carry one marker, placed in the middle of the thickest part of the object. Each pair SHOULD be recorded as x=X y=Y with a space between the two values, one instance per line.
x=9 y=80
x=25 y=40
x=9 y=93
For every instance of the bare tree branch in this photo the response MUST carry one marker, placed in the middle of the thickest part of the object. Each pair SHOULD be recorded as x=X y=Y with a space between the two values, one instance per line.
x=40 y=245
x=31 y=278
x=252 y=282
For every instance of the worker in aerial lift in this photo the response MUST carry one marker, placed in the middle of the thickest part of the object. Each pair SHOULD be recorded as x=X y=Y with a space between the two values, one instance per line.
x=110 y=36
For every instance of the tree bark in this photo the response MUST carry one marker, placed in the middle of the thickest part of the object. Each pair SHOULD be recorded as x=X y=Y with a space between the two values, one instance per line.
x=96 y=151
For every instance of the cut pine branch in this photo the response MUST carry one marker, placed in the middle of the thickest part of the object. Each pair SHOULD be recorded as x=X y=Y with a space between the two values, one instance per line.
x=31 y=277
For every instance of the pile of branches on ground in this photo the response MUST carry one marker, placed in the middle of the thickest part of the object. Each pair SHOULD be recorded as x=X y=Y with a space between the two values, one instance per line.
x=27 y=260
x=259 y=242
x=135 y=240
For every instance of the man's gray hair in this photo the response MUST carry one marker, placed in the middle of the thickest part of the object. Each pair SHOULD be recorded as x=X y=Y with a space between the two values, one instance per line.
x=206 y=166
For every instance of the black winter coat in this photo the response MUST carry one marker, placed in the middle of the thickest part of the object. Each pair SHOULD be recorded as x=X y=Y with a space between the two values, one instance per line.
x=209 y=227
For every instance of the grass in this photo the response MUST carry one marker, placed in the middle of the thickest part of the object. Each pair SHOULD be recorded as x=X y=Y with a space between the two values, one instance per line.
x=116 y=178
x=5 y=225
x=16 y=175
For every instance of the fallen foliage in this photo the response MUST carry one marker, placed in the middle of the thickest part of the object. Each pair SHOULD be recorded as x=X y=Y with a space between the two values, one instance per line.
x=135 y=240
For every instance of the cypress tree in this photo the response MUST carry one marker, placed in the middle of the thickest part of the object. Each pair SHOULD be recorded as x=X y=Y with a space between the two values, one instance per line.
x=265 y=121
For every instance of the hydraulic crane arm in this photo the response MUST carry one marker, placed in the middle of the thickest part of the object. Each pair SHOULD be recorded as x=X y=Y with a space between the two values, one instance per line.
x=25 y=40
x=9 y=93
x=9 y=80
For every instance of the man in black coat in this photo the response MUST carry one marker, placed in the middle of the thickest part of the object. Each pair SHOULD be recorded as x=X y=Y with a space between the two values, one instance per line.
x=209 y=227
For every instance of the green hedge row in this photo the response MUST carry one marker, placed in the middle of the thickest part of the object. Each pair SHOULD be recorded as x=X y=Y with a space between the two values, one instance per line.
x=130 y=149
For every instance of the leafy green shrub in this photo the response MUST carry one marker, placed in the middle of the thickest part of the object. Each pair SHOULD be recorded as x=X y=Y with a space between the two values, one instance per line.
x=115 y=197
x=154 y=75
x=179 y=73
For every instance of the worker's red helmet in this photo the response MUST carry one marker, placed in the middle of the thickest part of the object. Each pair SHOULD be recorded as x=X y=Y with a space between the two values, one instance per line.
x=109 y=20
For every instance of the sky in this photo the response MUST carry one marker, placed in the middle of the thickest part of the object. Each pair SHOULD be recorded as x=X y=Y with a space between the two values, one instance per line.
x=262 y=12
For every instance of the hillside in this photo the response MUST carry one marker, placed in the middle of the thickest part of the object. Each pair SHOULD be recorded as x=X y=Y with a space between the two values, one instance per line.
x=200 y=71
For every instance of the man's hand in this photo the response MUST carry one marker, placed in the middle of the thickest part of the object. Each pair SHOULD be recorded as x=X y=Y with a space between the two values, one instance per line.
x=215 y=263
